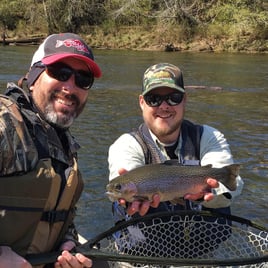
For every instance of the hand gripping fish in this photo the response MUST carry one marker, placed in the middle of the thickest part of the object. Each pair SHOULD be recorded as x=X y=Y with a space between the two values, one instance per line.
x=169 y=181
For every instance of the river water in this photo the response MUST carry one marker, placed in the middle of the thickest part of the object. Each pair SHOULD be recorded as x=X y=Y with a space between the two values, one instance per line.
x=239 y=109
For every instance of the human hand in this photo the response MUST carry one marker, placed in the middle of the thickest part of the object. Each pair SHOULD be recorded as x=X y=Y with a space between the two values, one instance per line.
x=67 y=260
x=10 y=259
x=141 y=207
x=206 y=195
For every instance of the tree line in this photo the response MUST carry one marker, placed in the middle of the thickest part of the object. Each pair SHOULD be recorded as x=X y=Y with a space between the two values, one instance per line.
x=217 y=17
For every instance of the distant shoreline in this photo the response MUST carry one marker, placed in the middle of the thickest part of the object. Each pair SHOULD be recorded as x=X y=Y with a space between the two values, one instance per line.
x=150 y=44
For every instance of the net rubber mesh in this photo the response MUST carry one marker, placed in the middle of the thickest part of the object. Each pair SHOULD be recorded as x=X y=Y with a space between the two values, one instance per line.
x=195 y=240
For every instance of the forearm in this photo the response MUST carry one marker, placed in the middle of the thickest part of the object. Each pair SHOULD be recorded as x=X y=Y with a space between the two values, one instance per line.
x=71 y=235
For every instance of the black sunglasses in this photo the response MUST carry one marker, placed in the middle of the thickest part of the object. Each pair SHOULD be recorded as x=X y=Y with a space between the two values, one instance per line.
x=155 y=100
x=63 y=72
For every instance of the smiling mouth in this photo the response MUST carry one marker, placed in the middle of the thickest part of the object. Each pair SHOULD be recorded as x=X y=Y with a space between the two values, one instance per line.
x=164 y=116
x=65 y=102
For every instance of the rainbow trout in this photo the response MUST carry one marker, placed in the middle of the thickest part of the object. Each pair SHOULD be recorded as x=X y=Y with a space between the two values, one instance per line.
x=170 y=181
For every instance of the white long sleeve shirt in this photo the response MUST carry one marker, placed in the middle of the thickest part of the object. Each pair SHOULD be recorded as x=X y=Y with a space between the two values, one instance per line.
x=127 y=153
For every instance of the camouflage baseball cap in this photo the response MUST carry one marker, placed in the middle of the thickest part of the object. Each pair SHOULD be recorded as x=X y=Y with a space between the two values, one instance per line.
x=162 y=75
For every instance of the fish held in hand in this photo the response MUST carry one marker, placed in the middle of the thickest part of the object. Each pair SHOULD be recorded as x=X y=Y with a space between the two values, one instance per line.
x=169 y=181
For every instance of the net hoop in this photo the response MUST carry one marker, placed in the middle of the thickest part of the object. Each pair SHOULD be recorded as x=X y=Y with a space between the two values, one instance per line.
x=233 y=228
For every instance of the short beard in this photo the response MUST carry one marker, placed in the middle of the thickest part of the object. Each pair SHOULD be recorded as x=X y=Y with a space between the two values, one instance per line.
x=63 y=121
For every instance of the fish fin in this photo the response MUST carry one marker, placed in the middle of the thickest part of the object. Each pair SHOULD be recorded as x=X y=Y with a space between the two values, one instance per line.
x=140 y=198
x=172 y=162
x=233 y=172
x=178 y=200
x=207 y=166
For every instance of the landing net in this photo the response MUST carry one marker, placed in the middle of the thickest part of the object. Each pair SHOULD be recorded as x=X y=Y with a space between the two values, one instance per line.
x=187 y=238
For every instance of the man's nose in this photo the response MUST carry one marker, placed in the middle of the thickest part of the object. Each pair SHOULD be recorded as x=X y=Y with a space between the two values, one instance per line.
x=69 y=84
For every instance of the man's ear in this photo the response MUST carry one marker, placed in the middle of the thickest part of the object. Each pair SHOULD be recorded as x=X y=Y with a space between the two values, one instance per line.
x=142 y=102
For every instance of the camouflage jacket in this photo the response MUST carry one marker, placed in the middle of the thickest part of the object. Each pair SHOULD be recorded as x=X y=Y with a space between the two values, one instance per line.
x=25 y=136
x=26 y=141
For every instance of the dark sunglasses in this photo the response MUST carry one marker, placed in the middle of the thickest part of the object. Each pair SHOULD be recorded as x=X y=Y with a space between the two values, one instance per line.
x=63 y=72
x=172 y=99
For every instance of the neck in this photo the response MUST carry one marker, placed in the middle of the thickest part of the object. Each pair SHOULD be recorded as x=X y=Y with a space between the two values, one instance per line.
x=167 y=144
x=166 y=140
x=169 y=139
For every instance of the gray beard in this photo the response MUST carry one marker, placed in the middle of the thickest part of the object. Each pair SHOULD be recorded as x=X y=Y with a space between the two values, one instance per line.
x=63 y=121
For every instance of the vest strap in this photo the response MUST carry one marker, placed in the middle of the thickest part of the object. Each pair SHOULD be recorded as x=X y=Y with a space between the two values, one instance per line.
x=54 y=216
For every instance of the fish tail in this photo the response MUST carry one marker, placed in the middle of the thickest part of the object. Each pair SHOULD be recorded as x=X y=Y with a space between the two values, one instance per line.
x=233 y=172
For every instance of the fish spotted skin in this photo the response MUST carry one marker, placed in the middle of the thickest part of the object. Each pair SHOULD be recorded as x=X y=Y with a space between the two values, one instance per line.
x=169 y=181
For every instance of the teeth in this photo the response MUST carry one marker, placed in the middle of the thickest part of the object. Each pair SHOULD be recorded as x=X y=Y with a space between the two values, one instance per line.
x=68 y=103
x=164 y=116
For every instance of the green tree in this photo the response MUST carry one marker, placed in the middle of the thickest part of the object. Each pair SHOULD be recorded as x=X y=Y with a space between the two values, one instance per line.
x=8 y=16
x=70 y=15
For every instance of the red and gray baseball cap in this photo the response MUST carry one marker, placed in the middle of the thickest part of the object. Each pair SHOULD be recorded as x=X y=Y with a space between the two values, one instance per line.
x=65 y=45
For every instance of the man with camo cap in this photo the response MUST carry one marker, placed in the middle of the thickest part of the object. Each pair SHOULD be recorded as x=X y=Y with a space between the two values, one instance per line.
x=164 y=135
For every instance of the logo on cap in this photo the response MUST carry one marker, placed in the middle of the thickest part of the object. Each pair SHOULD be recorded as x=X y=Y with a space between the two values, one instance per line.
x=161 y=74
x=77 y=44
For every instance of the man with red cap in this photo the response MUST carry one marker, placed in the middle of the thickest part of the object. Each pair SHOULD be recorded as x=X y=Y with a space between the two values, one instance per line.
x=40 y=181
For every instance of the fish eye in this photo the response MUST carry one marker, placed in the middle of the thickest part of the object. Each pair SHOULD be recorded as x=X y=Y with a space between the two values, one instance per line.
x=117 y=186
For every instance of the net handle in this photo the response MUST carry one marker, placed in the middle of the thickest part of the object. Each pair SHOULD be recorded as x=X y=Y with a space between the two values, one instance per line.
x=95 y=254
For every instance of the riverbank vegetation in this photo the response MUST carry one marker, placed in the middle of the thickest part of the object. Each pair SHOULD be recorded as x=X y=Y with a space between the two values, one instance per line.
x=171 y=25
